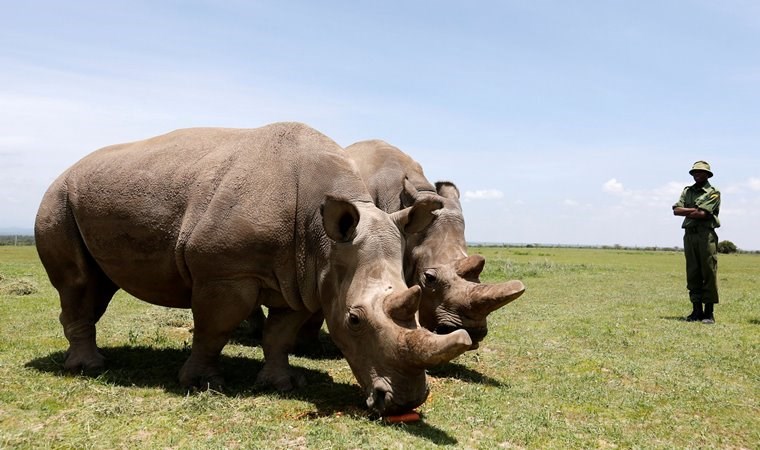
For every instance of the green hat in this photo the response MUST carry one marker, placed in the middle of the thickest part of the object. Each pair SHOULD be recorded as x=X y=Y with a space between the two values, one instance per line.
x=701 y=165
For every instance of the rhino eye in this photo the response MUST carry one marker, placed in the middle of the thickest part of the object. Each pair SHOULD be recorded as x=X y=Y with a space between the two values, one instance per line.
x=354 y=320
x=430 y=277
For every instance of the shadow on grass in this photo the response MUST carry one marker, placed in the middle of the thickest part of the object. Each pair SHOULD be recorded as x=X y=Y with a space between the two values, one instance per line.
x=754 y=321
x=159 y=367
x=323 y=348
x=676 y=318
x=463 y=373
x=142 y=366
x=424 y=430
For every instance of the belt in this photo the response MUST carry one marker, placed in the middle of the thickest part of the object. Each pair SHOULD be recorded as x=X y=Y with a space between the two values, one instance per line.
x=694 y=230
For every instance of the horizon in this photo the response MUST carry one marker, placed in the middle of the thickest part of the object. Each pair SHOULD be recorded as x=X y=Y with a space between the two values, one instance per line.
x=474 y=244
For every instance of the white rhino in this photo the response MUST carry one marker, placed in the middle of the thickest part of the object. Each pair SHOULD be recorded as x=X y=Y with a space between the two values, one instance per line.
x=435 y=258
x=225 y=220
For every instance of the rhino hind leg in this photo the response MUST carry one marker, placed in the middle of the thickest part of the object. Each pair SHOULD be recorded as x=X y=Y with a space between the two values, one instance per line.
x=84 y=290
x=219 y=307
x=280 y=335
x=308 y=341
x=81 y=308
x=256 y=322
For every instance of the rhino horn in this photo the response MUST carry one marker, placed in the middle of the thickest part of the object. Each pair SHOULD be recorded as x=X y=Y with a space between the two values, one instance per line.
x=403 y=306
x=470 y=267
x=487 y=298
x=426 y=350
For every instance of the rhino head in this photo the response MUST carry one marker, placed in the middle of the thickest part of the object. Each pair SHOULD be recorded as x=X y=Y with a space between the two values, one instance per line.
x=452 y=296
x=369 y=310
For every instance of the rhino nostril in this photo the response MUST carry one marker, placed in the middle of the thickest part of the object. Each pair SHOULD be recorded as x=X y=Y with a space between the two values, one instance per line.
x=445 y=329
x=379 y=400
x=477 y=334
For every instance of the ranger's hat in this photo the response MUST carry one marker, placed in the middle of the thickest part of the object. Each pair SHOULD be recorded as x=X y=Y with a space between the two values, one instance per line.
x=701 y=165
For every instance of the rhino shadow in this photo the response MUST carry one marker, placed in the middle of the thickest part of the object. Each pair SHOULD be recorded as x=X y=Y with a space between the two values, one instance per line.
x=149 y=367
x=463 y=373
x=424 y=430
x=159 y=367
x=321 y=348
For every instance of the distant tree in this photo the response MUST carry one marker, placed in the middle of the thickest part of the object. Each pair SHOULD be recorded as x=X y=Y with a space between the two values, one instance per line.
x=16 y=240
x=726 y=247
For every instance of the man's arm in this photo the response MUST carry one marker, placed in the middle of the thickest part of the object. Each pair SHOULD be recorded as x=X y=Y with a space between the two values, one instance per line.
x=691 y=213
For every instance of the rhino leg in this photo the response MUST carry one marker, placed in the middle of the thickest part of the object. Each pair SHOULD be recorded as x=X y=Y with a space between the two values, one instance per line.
x=81 y=308
x=280 y=334
x=83 y=288
x=308 y=341
x=256 y=322
x=218 y=308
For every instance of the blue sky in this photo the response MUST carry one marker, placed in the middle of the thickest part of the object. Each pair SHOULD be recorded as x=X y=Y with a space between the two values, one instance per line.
x=561 y=122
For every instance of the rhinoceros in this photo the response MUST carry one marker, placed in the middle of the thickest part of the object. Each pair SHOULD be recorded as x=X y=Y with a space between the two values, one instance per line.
x=225 y=220
x=436 y=258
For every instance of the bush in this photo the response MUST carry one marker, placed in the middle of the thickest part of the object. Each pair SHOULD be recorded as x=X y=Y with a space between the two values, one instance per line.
x=19 y=287
x=726 y=247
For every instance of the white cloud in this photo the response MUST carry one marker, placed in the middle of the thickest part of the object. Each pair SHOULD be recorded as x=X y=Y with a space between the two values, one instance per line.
x=613 y=186
x=483 y=194
x=670 y=191
x=752 y=184
x=570 y=202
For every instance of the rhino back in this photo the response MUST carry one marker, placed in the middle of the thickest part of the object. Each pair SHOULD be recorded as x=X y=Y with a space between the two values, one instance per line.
x=203 y=203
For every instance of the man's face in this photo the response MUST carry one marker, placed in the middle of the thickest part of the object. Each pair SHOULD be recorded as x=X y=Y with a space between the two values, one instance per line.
x=700 y=176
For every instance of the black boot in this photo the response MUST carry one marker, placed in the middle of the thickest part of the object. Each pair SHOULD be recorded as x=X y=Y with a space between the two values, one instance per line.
x=708 y=316
x=696 y=312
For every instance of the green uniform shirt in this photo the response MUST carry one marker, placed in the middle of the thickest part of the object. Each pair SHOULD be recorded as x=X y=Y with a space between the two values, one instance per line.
x=706 y=198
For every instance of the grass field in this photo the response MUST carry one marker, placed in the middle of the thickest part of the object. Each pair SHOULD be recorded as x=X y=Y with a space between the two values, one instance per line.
x=594 y=355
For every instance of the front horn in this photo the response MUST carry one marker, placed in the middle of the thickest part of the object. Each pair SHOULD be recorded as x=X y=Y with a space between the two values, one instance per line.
x=426 y=350
x=487 y=298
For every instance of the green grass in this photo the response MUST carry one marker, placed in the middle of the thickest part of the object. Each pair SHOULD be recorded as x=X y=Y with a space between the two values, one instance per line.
x=594 y=355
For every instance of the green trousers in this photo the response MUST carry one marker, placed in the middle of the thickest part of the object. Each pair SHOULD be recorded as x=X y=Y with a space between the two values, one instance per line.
x=701 y=249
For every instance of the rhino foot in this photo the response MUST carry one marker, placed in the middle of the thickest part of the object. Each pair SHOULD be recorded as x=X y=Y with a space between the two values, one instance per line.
x=84 y=360
x=208 y=379
x=281 y=380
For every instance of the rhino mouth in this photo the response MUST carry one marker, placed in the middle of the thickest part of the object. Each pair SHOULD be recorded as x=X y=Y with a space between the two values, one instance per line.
x=381 y=400
x=477 y=334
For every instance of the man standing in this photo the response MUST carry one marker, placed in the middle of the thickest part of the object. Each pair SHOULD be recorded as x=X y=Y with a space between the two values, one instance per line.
x=700 y=205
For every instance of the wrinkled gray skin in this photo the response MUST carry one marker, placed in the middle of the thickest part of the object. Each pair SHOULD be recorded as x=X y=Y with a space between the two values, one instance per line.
x=436 y=258
x=226 y=220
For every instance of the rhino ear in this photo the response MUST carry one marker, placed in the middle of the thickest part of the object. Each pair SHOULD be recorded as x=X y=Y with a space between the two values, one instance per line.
x=340 y=218
x=409 y=194
x=447 y=189
x=404 y=305
x=417 y=217
x=470 y=267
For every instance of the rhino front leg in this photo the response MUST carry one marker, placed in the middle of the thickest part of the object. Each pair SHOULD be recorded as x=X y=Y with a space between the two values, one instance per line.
x=280 y=334
x=218 y=308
